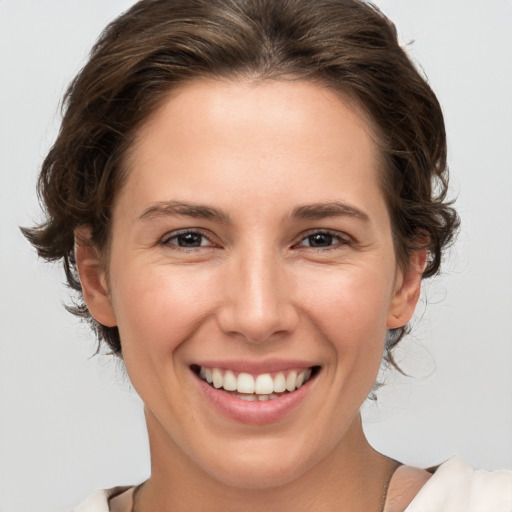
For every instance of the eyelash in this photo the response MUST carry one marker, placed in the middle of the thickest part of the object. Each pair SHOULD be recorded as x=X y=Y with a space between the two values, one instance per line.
x=183 y=232
x=341 y=240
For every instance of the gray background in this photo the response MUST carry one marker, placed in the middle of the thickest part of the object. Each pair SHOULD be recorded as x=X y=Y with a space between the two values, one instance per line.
x=70 y=423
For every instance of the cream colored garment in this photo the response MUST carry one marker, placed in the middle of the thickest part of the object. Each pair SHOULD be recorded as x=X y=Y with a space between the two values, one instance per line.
x=454 y=487
x=99 y=501
x=457 y=487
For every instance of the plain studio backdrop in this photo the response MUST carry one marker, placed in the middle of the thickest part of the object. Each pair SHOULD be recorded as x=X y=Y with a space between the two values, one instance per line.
x=70 y=423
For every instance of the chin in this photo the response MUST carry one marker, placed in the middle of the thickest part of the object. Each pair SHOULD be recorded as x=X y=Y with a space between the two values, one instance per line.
x=256 y=465
x=253 y=475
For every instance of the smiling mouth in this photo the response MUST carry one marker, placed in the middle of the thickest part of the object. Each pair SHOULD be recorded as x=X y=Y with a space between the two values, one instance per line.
x=261 y=387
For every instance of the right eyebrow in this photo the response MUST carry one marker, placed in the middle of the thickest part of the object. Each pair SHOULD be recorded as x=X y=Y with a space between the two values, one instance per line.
x=332 y=209
x=173 y=208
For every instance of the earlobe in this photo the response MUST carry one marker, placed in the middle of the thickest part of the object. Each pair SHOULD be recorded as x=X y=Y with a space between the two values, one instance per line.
x=407 y=291
x=93 y=279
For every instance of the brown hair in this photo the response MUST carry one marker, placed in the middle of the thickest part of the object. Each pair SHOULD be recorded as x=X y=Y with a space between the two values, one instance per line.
x=347 y=45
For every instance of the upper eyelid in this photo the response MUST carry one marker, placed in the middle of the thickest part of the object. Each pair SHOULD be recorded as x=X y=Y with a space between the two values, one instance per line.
x=343 y=241
x=340 y=234
x=177 y=232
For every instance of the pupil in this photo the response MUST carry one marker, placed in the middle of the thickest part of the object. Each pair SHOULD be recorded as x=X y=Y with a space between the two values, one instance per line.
x=320 y=240
x=189 y=240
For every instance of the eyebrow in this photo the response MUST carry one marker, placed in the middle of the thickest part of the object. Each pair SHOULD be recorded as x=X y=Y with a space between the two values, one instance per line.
x=333 y=209
x=170 y=208
x=305 y=212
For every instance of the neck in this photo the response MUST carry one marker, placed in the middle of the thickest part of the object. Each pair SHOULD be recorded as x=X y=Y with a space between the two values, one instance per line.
x=353 y=474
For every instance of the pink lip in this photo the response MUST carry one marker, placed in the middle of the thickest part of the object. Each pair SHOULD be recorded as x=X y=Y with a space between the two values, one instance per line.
x=255 y=413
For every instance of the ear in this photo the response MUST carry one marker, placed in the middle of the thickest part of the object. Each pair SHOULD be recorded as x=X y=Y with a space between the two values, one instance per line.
x=407 y=291
x=93 y=278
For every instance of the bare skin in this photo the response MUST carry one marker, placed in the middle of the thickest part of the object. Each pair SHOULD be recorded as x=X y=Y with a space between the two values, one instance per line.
x=407 y=481
x=405 y=484
x=252 y=231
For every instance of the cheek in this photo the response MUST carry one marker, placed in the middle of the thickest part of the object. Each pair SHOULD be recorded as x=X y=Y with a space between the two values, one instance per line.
x=157 y=308
x=350 y=304
x=350 y=312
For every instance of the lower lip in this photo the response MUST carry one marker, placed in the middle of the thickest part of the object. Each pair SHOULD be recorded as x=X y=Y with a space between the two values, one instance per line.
x=254 y=412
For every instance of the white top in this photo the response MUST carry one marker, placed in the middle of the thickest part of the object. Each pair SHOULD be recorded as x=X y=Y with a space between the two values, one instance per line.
x=454 y=487
x=457 y=487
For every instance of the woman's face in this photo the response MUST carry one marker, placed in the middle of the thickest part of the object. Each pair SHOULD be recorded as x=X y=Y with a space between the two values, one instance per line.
x=251 y=241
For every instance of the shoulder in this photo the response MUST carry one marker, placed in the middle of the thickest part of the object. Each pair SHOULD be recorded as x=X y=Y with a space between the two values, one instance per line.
x=457 y=487
x=98 y=501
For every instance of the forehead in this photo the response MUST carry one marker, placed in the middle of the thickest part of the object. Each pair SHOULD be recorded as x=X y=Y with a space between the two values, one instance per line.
x=253 y=138
x=257 y=107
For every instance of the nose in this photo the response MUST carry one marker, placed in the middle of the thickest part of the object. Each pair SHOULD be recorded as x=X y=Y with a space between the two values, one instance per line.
x=257 y=303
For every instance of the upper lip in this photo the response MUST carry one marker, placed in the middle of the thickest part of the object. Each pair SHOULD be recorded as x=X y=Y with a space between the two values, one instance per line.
x=256 y=367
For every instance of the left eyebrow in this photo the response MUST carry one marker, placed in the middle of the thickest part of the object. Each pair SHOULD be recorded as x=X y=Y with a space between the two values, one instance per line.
x=173 y=208
x=334 y=209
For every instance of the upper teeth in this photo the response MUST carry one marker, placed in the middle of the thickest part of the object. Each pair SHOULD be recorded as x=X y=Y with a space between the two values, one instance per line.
x=263 y=384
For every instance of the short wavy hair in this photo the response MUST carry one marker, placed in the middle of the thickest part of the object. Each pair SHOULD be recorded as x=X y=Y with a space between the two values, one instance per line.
x=346 y=45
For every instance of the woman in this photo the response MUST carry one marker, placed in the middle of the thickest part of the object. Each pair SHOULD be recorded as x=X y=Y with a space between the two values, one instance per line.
x=247 y=196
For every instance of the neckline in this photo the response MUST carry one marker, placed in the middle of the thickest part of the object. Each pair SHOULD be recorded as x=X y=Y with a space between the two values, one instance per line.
x=405 y=484
x=124 y=501
x=127 y=500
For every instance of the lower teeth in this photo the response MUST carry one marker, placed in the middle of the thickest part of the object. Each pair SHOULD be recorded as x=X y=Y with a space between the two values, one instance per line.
x=254 y=397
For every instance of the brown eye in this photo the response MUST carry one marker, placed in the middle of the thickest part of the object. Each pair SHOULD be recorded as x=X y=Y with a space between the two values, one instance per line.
x=187 y=240
x=320 y=240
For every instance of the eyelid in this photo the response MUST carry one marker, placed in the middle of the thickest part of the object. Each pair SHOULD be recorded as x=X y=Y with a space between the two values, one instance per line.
x=344 y=239
x=165 y=240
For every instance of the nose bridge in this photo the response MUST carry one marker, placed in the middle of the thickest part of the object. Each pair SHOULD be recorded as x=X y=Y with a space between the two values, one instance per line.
x=258 y=303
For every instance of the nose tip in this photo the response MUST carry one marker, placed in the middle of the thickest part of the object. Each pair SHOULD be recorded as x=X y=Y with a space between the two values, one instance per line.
x=255 y=324
x=257 y=304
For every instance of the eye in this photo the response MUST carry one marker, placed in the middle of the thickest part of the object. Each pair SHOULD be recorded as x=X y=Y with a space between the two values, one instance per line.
x=187 y=239
x=323 y=239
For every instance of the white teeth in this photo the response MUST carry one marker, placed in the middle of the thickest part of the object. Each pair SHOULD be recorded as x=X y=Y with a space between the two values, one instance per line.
x=279 y=383
x=230 y=381
x=217 y=378
x=245 y=383
x=264 y=384
x=262 y=387
x=248 y=398
x=291 y=381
